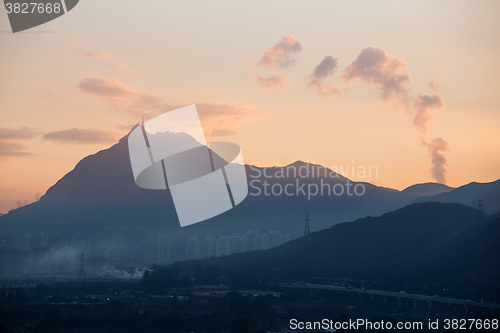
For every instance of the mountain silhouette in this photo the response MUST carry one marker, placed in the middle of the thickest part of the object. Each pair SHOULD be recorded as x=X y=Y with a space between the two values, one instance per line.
x=470 y=259
x=359 y=247
x=469 y=195
x=100 y=192
x=437 y=244
x=426 y=189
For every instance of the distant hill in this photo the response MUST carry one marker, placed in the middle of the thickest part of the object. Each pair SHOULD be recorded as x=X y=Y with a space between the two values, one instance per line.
x=494 y=216
x=469 y=195
x=100 y=192
x=470 y=260
x=360 y=247
x=426 y=189
x=425 y=244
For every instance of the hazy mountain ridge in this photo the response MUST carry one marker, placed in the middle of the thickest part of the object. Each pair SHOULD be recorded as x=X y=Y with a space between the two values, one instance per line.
x=426 y=189
x=100 y=192
x=469 y=195
x=425 y=244
x=471 y=257
x=369 y=241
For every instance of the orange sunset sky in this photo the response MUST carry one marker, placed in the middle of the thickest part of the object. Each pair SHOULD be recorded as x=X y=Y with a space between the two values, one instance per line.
x=408 y=86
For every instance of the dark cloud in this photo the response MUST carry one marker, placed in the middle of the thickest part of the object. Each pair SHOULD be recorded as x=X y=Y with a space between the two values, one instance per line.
x=317 y=80
x=325 y=68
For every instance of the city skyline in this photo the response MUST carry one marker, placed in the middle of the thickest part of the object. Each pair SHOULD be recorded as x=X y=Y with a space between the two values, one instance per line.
x=39 y=252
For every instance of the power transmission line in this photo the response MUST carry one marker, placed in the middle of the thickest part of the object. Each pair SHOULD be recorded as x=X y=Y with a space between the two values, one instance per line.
x=306 y=226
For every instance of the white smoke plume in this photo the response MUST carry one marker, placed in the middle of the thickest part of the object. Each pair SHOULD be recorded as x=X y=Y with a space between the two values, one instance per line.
x=378 y=68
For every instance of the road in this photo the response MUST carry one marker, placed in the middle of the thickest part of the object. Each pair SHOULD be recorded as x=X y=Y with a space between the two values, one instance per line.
x=392 y=294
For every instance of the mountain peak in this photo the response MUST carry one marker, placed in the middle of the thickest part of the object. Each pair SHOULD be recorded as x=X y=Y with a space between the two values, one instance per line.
x=426 y=189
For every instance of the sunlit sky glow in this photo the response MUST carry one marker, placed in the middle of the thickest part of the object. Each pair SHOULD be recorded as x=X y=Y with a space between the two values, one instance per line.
x=74 y=86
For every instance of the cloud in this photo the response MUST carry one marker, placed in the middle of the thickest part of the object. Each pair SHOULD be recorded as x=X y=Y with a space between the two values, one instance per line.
x=223 y=132
x=439 y=161
x=11 y=144
x=119 y=96
x=125 y=69
x=17 y=133
x=123 y=127
x=82 y=136
x=11 y=149
x=218 y=119
x=324 y=88
x=321 y=73
x=273 y=82
x=221 y=119
x=423 y=106
x=377 y=67
x=325 y=68
x=434 y=84
x=60 y=55
x=280 y=56
x=99 y=55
